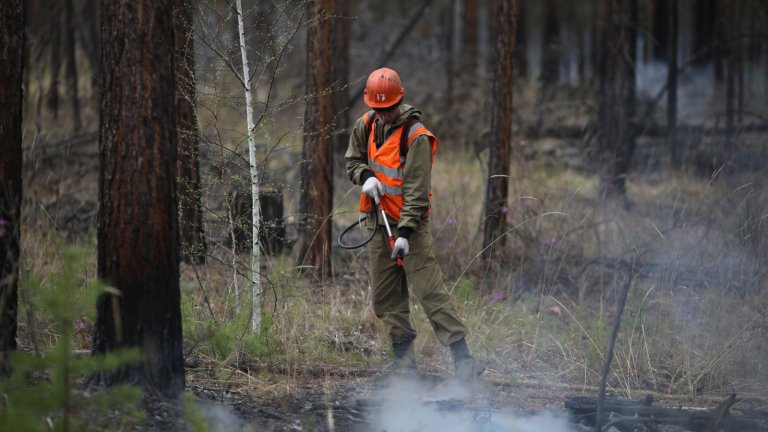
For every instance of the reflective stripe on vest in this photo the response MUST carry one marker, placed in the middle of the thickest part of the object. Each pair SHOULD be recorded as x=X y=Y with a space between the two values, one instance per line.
x=387 y=165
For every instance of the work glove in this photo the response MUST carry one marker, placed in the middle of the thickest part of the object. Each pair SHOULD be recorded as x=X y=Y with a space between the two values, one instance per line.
x=373 y=188
x=401 y=247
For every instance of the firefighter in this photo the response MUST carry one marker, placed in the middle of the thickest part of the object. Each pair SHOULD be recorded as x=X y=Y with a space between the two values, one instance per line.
x=390 y=155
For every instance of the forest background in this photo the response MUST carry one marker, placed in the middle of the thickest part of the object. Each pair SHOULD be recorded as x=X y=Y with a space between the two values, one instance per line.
x=634 y=132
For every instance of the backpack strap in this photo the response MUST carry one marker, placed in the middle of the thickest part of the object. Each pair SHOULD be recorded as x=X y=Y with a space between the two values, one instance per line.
x=372 y=116
x=407 y=125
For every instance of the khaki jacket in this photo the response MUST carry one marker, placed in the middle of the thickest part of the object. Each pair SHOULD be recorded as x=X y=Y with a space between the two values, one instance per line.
x=417 y=171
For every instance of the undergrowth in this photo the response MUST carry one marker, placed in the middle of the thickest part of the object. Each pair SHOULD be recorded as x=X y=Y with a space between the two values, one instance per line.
x=694 y=322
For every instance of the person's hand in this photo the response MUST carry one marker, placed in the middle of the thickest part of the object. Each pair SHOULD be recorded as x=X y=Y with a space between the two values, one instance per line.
x=400 y=247
x=373 y=188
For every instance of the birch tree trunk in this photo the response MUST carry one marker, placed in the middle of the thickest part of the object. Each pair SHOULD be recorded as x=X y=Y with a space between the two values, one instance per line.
x=255 y=252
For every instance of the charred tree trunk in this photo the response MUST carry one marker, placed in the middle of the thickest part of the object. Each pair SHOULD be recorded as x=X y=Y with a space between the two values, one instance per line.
x=271 y=225
x=551 y=48
x=673 y=144
x=739 y=57
x=471 y=32
x=191 y=229
x=317 y=153
x=88 y=20
x=705 y=21
x=599 y=44
x=499 y=153
x=138 y=251
x=660 y=31
x=649 y=41
x=69 y=45
x=448 y=13
x=521 y=41
x=52 y=100
x=11 y=101
x=618 y=98
x=730 y=66
x=721 y=37
x=341 y=35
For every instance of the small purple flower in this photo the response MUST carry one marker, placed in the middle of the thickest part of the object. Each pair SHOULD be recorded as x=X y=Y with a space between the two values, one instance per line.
x=505 y=209
x=81 y=324
x=451 y=220
x=39 y=223
x=2 y=222
x=523 y=142
x=498 y=295
x=451 y=245
x=550 y=241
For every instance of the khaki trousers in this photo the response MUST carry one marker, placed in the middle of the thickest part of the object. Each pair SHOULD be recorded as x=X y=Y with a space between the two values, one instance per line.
x=421 y=274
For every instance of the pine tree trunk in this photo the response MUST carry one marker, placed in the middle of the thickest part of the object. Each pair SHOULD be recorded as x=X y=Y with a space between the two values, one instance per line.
x=317 y=156
x=551 y=47
x=11 y=101
x=342 y=29
x=599 y=43
x=499 y=153
x=618 y=98
x=138 y=252
x=192 y=231
x=521 y=41
x=673 y=144
x=52 y=100
x=730 y=67
x=471 y=33
x=448 y=13
x=69 y=45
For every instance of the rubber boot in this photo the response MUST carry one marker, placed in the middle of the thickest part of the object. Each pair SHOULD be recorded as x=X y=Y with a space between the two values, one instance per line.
x=466 y=367
x=405 y=356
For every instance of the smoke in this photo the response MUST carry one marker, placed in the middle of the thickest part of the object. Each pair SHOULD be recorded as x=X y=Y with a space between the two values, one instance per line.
x=412 y=405
x=218 y=417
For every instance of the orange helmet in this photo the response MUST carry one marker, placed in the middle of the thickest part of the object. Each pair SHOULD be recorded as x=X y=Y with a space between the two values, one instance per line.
x=383 y=89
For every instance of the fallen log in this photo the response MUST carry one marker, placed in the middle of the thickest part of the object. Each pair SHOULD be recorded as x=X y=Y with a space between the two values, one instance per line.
x=626 y=414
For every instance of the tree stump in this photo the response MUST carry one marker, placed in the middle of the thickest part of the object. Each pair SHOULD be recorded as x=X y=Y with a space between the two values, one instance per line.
x=271 y=226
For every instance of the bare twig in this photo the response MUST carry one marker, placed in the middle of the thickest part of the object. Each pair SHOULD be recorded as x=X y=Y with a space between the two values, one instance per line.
x=609 y=355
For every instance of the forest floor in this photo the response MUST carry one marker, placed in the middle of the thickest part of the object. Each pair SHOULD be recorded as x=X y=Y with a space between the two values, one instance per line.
x=365 y=400
x=342 y=399
x=695 y=330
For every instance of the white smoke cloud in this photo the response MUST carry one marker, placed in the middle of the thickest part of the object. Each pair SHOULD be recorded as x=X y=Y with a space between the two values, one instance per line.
x=411 y=405
x=218 y=417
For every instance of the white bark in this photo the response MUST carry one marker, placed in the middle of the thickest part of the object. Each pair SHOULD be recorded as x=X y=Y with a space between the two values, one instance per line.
x=255 y=251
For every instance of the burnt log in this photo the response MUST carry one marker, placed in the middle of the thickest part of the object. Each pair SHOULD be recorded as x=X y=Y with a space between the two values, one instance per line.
x=626 y=414
x=271 y=227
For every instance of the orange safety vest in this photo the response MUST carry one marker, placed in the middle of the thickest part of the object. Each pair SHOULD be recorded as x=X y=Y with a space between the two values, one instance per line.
x=387 y=164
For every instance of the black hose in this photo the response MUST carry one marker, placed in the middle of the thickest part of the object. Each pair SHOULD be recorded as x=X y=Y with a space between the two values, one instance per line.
x=349 y=228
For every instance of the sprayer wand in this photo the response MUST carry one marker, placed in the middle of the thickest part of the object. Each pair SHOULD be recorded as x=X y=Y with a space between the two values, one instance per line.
x=391 y=237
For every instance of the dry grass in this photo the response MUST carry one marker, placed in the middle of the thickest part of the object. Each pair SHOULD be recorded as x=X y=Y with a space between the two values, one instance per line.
x=694 y=322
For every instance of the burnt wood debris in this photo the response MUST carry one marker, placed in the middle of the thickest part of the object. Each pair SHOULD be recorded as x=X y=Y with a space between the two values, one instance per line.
x=632 y=415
